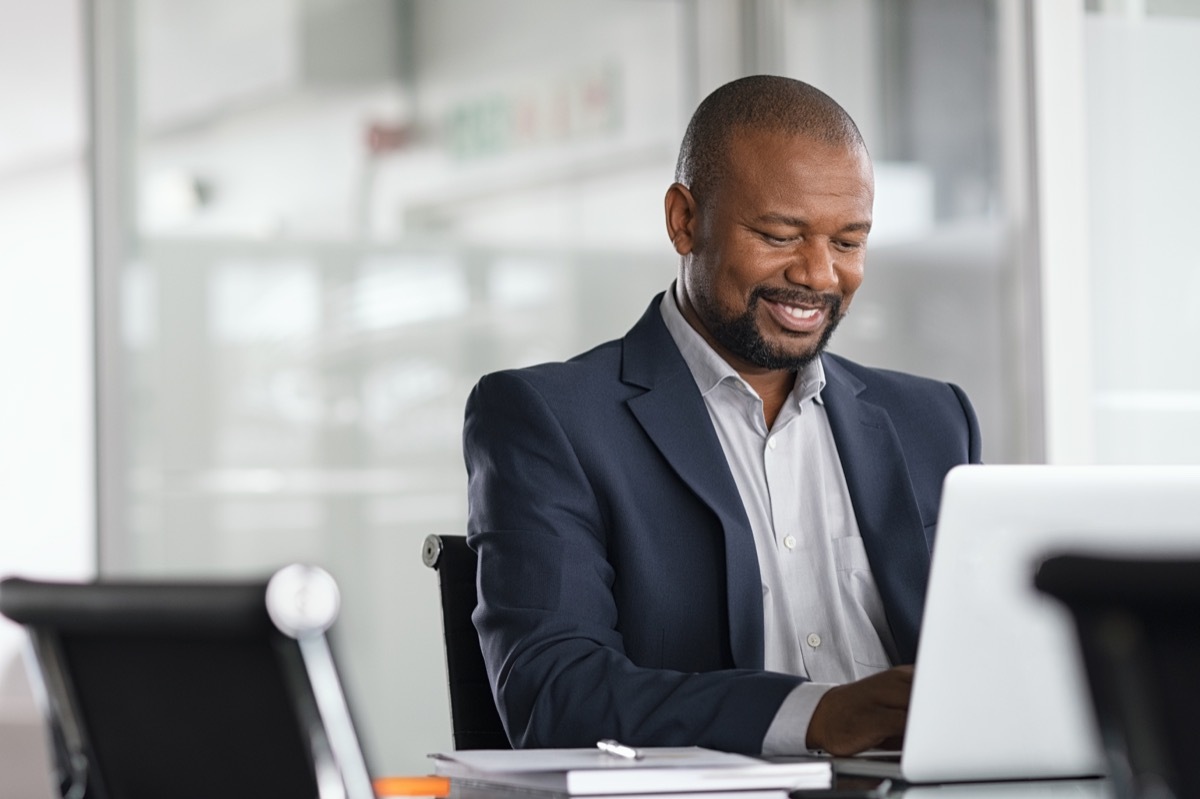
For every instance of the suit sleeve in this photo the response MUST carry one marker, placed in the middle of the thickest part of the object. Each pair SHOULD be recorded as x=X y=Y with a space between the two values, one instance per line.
x=547 y=619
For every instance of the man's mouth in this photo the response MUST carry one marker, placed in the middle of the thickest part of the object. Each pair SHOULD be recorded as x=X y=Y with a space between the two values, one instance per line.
x=797 y=318
x=800 y=313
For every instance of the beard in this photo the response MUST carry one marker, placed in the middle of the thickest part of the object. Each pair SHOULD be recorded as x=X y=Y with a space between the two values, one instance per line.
x=741 y=336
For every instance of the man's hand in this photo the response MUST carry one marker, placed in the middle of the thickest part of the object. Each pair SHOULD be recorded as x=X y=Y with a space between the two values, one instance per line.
x=862 y=715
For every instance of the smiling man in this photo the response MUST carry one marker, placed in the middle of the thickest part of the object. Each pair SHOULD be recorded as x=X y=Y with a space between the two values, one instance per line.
x=711 y=532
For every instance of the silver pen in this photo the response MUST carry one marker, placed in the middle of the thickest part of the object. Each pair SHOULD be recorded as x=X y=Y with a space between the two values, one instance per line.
x=617 y=749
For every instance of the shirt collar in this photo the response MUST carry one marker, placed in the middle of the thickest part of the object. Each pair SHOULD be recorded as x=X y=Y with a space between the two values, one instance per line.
x=710 y=370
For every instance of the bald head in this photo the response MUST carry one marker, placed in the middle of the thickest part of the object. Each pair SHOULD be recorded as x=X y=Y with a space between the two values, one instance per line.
x=760 y=103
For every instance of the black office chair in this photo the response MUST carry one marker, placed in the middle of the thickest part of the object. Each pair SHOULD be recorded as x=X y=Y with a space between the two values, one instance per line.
x=1138 y=624
x=473 y=713
x=192 y=690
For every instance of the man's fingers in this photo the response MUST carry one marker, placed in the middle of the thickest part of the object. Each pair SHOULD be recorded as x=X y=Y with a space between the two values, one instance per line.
x=880 y=727
x=860 y=715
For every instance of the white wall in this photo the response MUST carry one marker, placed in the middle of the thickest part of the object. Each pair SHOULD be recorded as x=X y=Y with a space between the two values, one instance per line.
x=1144 y=161
x=46 y=497
x=1117 y=170
x=46 y=504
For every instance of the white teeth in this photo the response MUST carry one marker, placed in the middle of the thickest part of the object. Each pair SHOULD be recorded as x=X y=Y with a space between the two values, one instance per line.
x=800 y=313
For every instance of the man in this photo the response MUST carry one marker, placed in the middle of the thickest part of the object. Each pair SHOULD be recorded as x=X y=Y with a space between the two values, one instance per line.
x=709 y=532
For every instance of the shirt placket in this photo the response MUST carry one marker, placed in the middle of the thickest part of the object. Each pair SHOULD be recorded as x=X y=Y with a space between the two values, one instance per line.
x=781 y=472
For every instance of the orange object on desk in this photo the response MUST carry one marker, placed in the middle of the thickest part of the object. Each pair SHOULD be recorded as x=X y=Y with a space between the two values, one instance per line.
x=411 y=786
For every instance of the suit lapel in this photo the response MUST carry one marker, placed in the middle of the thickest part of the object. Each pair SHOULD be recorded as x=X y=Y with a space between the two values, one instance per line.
x=674 y=416
x=884 y=505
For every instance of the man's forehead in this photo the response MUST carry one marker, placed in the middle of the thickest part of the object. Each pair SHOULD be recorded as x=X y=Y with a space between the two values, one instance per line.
x=759 y=155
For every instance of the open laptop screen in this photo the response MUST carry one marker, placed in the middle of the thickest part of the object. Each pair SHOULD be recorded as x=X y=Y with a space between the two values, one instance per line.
x=1000 y=690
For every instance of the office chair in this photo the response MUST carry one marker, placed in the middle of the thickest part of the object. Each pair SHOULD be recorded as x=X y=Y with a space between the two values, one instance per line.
x=192 y=690
x=473 y=713
x=1138 y=625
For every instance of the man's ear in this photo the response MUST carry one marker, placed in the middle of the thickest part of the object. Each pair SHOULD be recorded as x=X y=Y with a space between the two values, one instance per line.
x=680 y=206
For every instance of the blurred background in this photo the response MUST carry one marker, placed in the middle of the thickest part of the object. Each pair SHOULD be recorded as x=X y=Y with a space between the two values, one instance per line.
x=254 y=255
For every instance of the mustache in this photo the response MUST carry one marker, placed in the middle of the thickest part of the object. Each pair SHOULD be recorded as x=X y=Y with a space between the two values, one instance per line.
x=831 y=302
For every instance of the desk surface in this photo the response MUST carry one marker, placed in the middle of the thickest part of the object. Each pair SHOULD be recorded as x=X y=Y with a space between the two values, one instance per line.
x=1017 y=789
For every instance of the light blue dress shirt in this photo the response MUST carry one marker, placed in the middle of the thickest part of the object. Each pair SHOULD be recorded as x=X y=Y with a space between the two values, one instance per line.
x=823 y=618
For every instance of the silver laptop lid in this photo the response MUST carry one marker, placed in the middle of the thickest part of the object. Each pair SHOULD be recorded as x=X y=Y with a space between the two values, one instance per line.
x=1000 y=691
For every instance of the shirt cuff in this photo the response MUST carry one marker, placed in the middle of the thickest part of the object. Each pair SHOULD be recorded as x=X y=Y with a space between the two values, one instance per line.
x=788 y=732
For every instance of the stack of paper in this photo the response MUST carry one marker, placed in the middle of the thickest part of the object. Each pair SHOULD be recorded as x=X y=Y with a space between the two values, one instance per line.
x=660 y=770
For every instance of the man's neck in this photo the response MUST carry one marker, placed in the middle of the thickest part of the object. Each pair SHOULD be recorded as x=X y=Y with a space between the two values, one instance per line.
x=773 y=388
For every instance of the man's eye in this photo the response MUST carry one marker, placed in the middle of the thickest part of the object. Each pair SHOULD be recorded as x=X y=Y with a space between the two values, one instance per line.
x=777 y=239
x=848 y=245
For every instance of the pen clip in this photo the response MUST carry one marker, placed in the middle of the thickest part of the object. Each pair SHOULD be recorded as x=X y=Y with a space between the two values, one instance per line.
x=618 y=749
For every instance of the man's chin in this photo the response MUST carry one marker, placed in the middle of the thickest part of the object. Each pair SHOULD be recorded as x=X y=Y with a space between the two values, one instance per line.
x=795 y=352
x=781 y=360
x=800 y=345
x=770 y=349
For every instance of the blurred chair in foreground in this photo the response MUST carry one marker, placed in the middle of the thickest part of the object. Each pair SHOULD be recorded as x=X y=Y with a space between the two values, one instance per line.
x=1138 y=624
x=192 y=690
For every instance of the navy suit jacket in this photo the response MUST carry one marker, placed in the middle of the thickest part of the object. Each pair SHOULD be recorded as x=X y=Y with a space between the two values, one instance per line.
x=619 y=591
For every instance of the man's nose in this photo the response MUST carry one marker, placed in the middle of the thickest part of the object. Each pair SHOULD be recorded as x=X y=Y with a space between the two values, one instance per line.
x=813 y=266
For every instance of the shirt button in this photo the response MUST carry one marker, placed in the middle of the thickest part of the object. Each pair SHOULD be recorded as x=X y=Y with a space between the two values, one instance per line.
x=790 y=542
x=771 y=443
x=814 y=640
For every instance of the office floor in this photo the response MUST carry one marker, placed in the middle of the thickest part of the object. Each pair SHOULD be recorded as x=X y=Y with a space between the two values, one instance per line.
x=24 y=761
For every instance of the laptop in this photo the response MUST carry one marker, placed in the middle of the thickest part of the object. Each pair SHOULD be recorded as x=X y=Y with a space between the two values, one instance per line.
x=1000 y=691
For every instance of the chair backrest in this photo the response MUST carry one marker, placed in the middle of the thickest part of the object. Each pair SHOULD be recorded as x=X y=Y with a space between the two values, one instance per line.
x=192 y=689
x=1138 y=623
x=473 y=715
